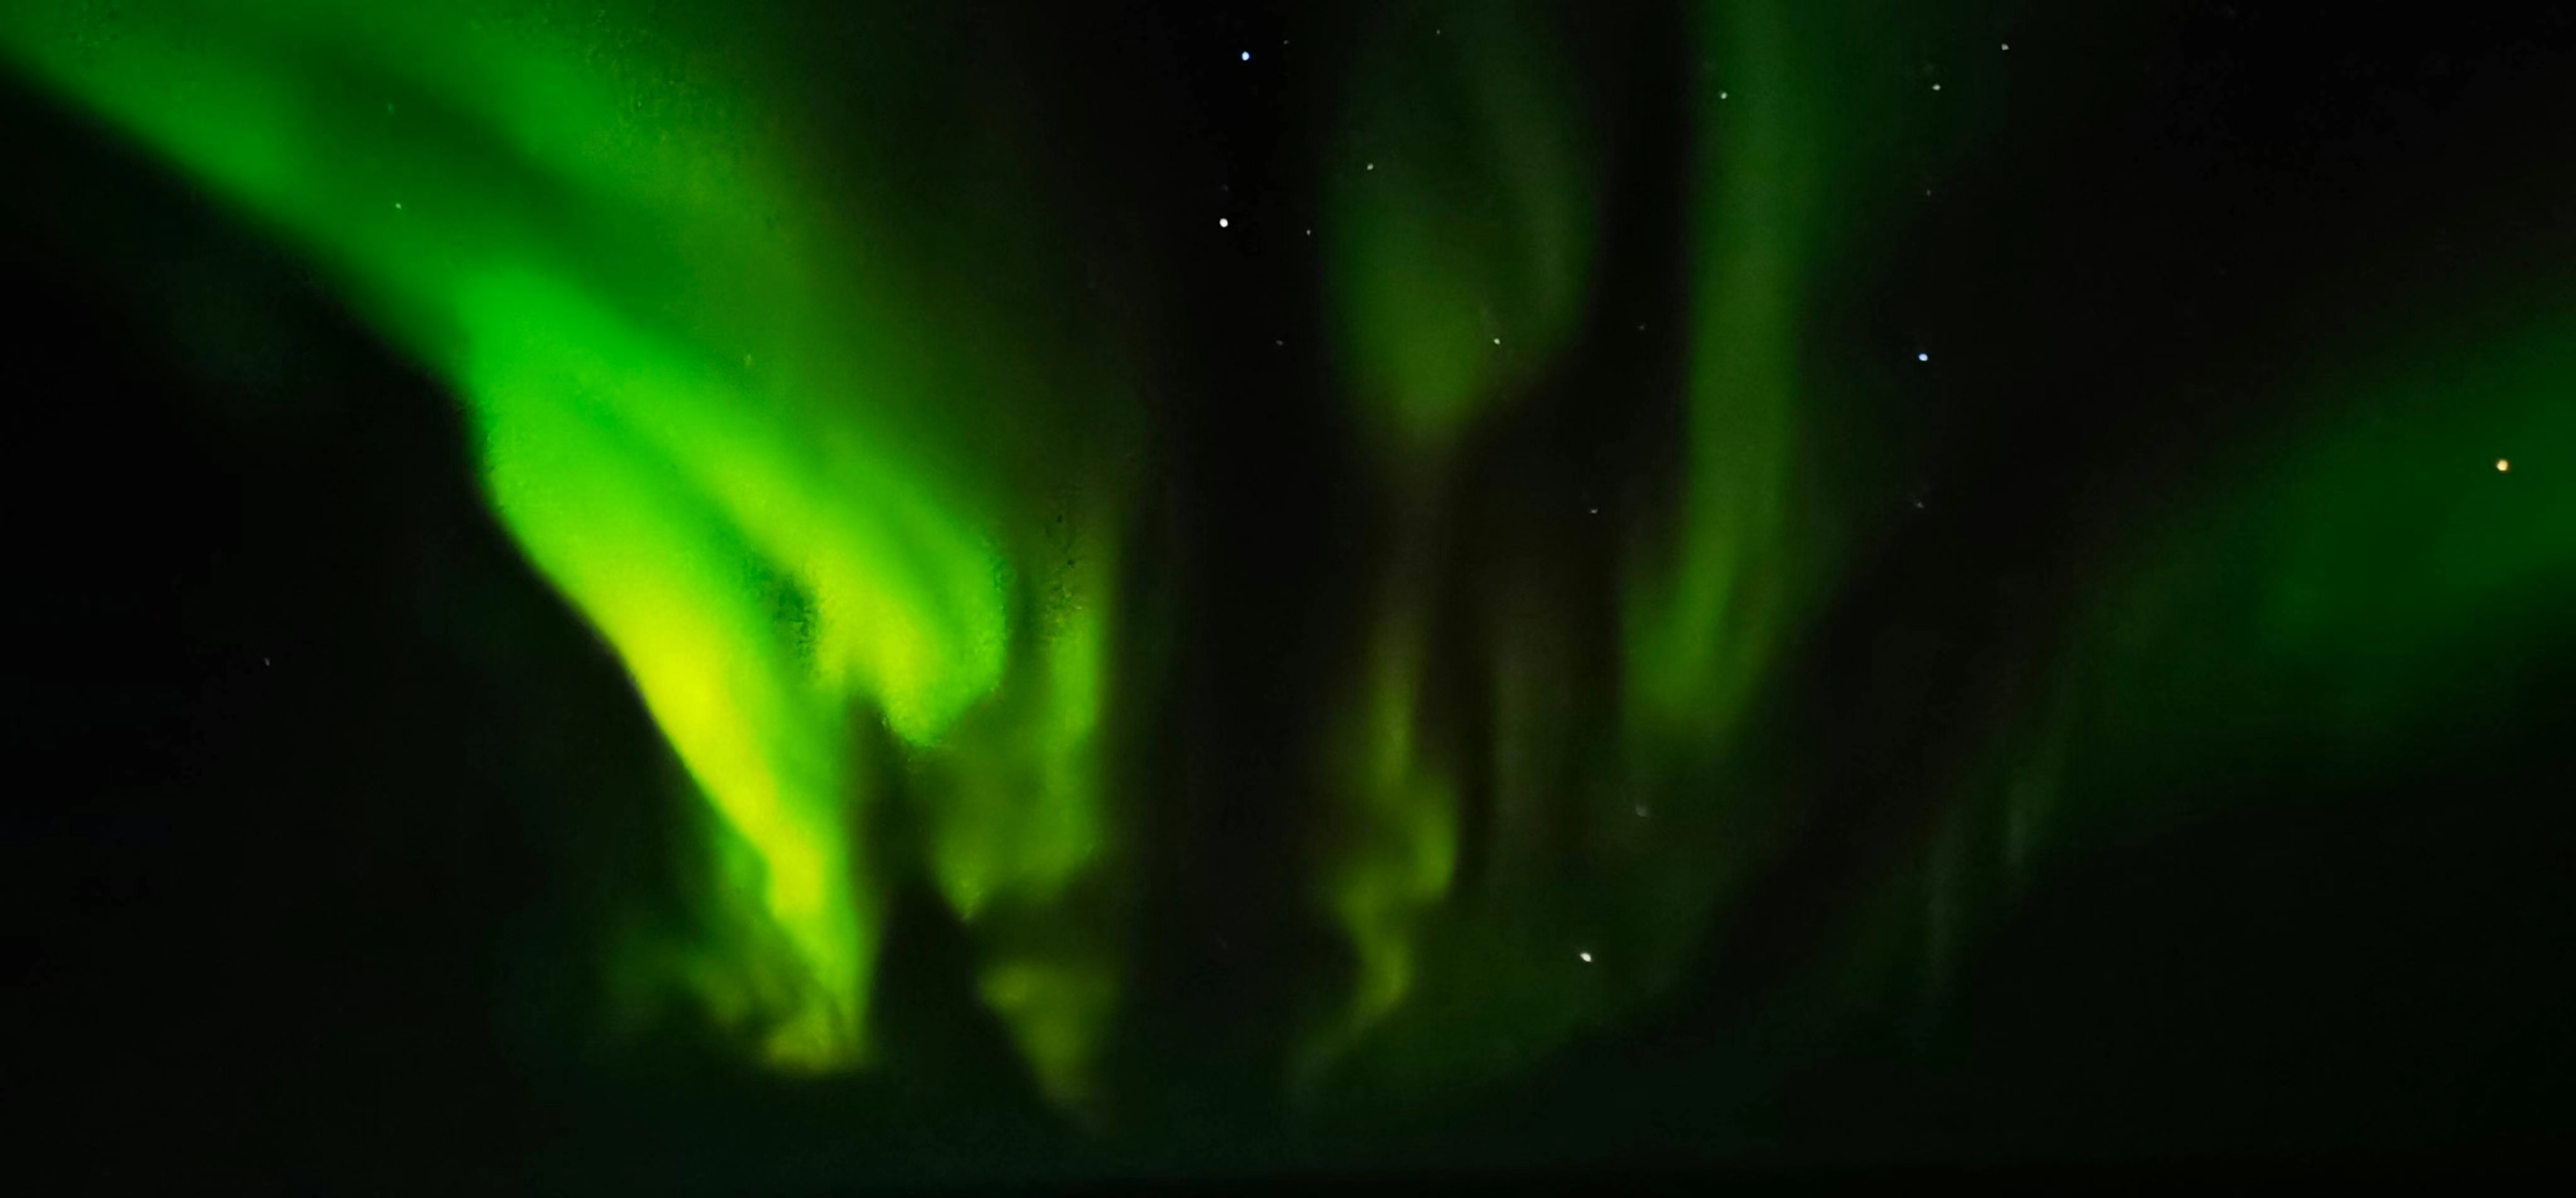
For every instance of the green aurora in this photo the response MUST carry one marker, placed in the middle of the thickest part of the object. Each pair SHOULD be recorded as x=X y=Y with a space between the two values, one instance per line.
x=741 y=429
x=825 y=467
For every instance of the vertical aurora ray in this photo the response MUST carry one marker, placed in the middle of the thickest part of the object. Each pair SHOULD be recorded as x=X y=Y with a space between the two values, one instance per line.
x=1703 y=622
x=1022 y=844
x=700 y=379
x=1614 y=819
x=1460 y=243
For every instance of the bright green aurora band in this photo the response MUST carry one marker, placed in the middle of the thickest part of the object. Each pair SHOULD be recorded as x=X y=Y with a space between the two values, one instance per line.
x=752 y=435
x=812 y=460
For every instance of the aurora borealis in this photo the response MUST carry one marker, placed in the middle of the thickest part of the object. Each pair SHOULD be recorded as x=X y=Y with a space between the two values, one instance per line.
x=766 y=542
x=1210 y=592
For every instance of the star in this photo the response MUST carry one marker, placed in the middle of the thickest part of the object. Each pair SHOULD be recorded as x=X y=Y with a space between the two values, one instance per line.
x=1922 y=357
x=1587 y=957
x=2502 y=465
x=1220 y=222
x=1247 y=56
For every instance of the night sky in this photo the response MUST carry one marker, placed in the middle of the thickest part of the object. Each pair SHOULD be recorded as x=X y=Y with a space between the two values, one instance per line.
x=1517 y=591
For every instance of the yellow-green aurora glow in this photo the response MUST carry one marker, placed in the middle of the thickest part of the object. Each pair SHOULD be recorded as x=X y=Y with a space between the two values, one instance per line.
x=724 y=415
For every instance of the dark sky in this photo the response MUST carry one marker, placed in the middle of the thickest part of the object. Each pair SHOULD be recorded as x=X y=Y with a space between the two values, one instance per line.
x=319 y=788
